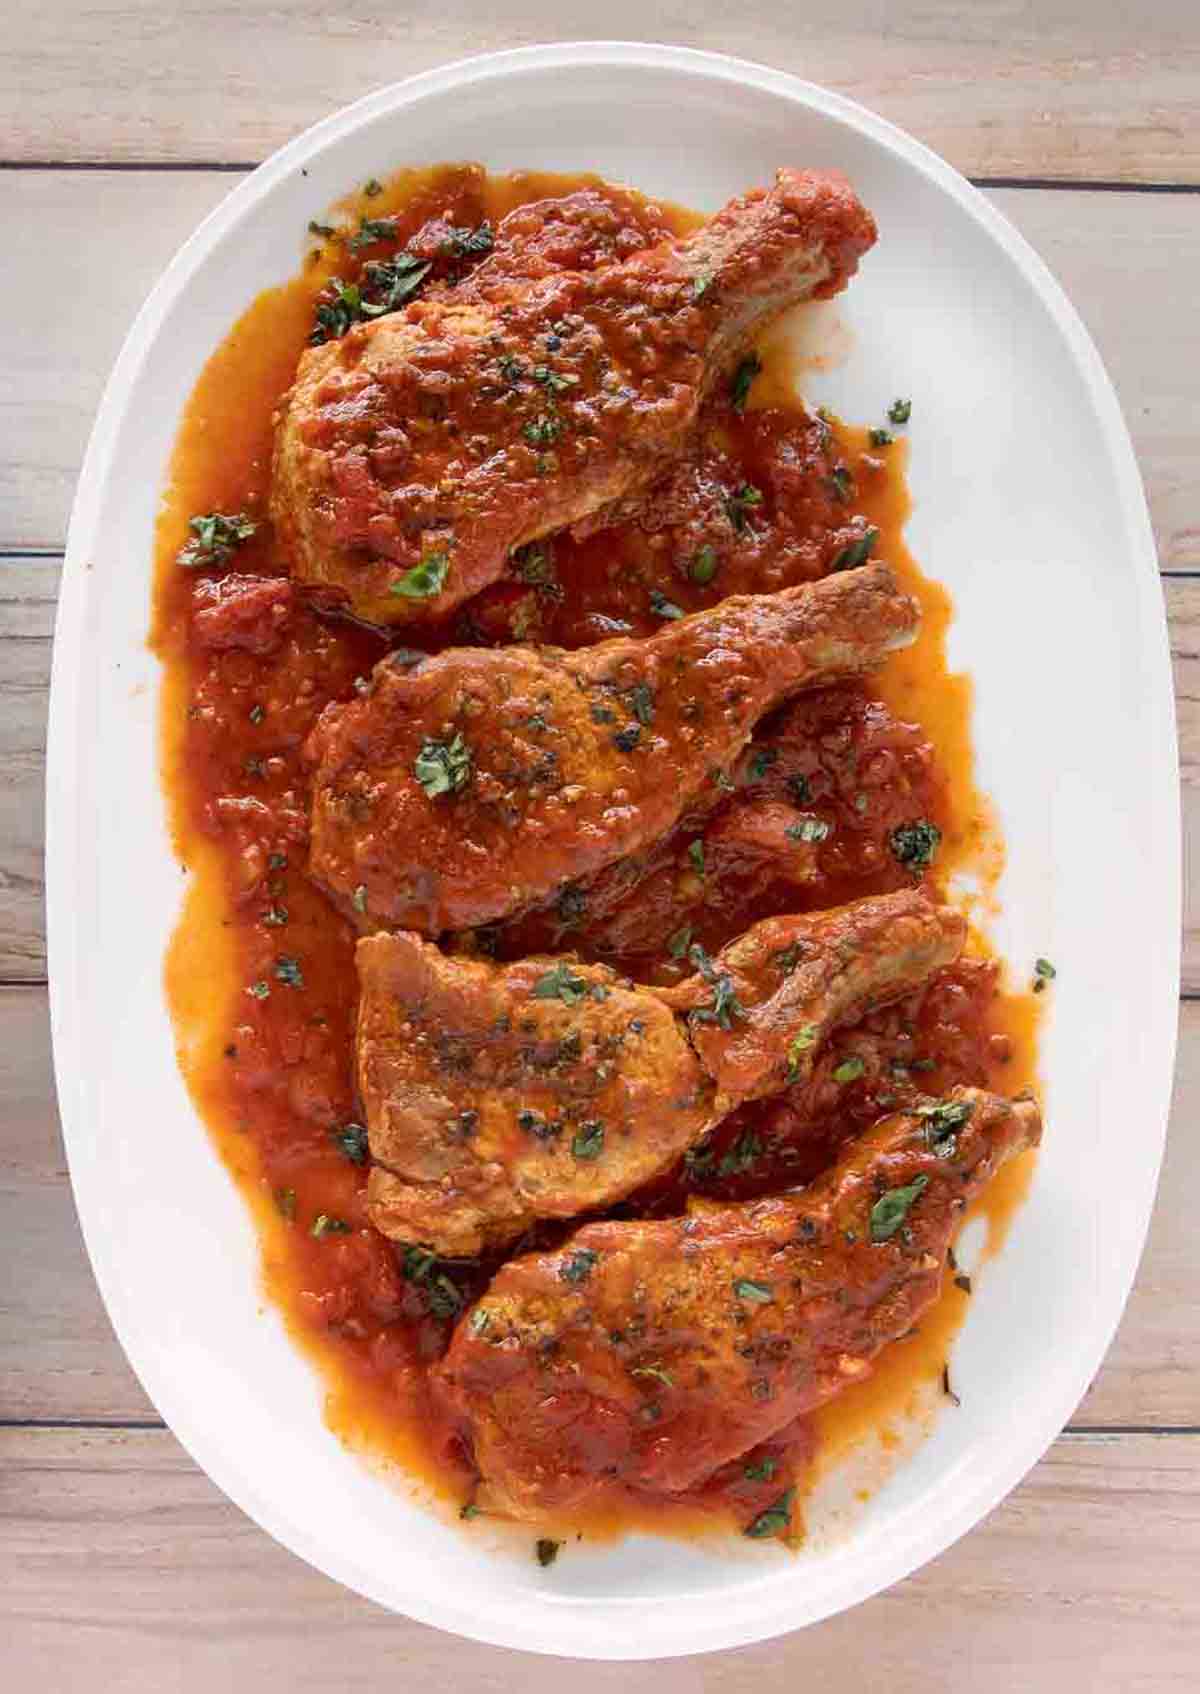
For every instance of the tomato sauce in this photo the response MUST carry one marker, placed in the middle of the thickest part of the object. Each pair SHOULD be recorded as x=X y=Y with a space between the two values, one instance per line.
x=260 y=975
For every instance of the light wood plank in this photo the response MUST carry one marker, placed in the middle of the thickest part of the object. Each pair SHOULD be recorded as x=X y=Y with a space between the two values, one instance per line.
x=122 y=1568
x=1128 y=261
x=59 y=1359
x=1106 y=91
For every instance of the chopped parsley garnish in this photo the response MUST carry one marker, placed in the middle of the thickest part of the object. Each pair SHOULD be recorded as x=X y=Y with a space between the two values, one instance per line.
x=678 y=944
x=701 y=285
x=547 y=1551
x=277 y=861
x=323 y=1224
x=256 y=714
x=840 y=484
x=804 y=1040
x=285 y=1204
x=372 y=187
x=336 y=313
x=588 y=1141
x=855 y=552
x=742 y=1156
x=900 y=411
x=351 y=1140
x=534 y=565
x=469 y=1509
x=561 y=983
x=641 y=703
x=849 y=1070
x=809 y=830
x=880 y=437
x=556 y=381
x=740 y=503
x=762 y=1470
x=915 y=844
x=578 y=1266
x=215 y=538
x=800 y=789
x=479 y=1320
x=696 y=855
x=755 y=1293
x=391 y=282
x=260 y=990
x=359 y=898
x=704 y=566
x=1043 y=973
x=443 y=1296
x=371 y=230
x=625 y=740
x=288 y=971
x=725 y=1004
x=743 y=381
x=762 y=761
x=533 y=1123
x=425 y=579
x=443 y=767
x=462 y=243
x=325 y=231
x=774 y=1521
x=942 y=1121
x=275 y=917
x=892 y=1208
x=543 y=431
x=662 y=607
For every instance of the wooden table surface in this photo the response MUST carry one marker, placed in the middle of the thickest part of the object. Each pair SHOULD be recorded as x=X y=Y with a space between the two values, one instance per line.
x=121 y=1566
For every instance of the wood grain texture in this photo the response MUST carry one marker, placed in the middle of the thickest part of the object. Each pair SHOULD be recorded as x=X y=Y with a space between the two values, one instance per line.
x=122 y=1568
x=60 y=1361
x=1129 y=262
x=1001 y=89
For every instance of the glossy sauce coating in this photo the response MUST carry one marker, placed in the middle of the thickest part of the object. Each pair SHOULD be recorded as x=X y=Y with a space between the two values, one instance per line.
x=272 y=1073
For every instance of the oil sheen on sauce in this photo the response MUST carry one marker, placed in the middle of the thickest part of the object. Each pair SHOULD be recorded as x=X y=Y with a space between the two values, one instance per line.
x=260 y=977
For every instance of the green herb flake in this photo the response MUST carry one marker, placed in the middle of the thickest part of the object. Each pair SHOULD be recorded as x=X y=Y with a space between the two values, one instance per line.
x=285 y=1204
x=892 y=1208
x=641 y=703
x=546 y=1551
x=444 y=1297
x=325 y=231
x=849 y=1070
x=809 y=830
x=653 y=1373
x=776 y=1520
x=351 y=1140
x=915 y=844
x=543 y=431
x=742 y=1156
x=324 y=1225
x=1043 y=973
x=587 y=1143
x=578 y=1266
x=342 y=307
x=390 y=282
x=215 y=538
x=443 y=767
x=479 y=1320
x=260 y=990
x=371 y=230
x=275 y=917
x=725 y=1004
x=803 y=1042
x=800 y=789
x=465 y=243
x=855 y=552
x=695 y=853
x=762 y=1470
x=256 y=714
x=560 y=982
x=288 y=971
x=425 y=579
x=942 y=1122
x=701 y=285
x=840 y=484
x=743 y=381
x=469 y=1510
x=740 y=504
x=664 y=608
x=900 y=411
x=754 y=1293
x=372 y=187
x=880 y=437
x=678 y=944
x=762 y=761
x=359 y=898
x=704 y=566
